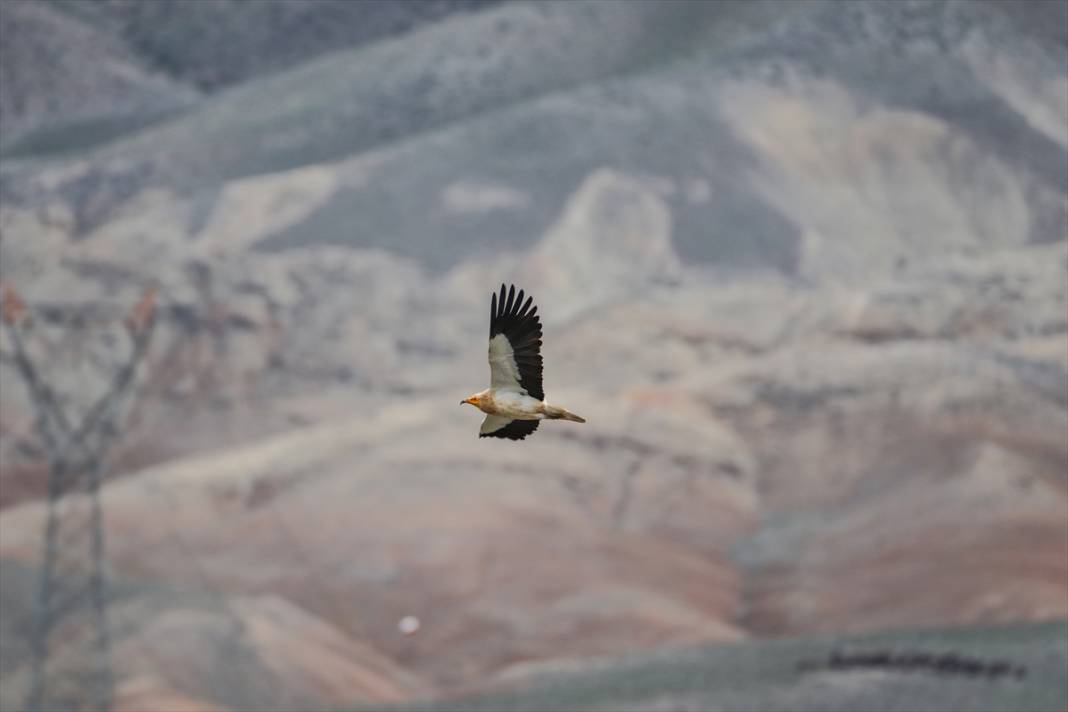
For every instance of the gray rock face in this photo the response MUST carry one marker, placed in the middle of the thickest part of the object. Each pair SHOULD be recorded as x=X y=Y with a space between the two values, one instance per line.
x=62 y=77
x=801 y=266
x=79 y=74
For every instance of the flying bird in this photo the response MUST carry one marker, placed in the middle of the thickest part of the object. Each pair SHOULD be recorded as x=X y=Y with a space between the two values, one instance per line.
x=515 y=402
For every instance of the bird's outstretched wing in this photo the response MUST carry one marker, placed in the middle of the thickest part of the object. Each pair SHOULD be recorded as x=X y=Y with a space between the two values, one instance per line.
x=515 y=344
x=494 y=426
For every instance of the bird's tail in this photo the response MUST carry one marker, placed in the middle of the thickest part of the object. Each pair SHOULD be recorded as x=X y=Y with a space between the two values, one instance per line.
x=556 y=413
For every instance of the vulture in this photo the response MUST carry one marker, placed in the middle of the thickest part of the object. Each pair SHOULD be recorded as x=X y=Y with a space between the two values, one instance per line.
x=514 y=403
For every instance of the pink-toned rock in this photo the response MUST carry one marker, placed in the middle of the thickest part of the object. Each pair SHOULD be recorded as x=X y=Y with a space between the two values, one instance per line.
x=145 y=692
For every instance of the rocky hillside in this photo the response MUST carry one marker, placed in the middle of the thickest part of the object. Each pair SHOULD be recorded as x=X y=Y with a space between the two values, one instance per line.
x=79 y=73
x=801 y=265
x=956 y=670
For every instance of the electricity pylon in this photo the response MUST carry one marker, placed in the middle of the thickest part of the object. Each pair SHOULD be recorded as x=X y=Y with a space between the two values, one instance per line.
x=71 y=662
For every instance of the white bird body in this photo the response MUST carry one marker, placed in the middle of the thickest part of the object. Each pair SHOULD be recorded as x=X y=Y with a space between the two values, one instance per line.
x=515 y=401
x=515 y=405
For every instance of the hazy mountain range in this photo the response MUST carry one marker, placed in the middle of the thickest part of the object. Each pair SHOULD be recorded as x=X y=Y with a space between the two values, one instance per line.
x=802 y=267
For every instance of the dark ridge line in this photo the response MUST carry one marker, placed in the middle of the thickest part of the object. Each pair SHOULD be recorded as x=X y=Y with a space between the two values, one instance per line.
x=943 y=664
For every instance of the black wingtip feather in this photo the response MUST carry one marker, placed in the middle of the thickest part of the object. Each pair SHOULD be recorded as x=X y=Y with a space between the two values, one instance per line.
x=526 y=305
x=515 y=430
x=517 y=319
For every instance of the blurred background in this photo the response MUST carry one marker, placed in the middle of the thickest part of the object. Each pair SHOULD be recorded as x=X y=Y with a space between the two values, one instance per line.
x=803 y=266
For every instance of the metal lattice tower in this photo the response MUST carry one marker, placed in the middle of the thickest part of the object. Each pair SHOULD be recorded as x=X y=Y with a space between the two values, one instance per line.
x=71 y=663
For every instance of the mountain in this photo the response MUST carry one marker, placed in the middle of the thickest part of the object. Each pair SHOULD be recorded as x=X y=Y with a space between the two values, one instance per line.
x=800 y=265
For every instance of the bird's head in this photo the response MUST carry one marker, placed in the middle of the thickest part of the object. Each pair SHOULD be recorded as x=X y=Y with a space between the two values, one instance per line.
x=471 y=400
